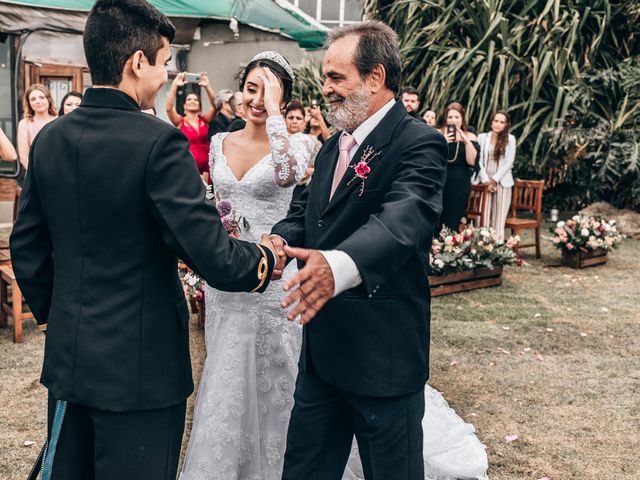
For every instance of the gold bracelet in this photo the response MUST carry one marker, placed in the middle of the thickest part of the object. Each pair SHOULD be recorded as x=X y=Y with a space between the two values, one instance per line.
x=263 y=268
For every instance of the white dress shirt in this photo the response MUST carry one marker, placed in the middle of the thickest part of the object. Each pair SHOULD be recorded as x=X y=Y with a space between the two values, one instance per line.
x=345 y=271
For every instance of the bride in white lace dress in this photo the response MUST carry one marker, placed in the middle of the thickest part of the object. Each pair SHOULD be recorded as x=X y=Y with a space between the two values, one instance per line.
x=246 y=389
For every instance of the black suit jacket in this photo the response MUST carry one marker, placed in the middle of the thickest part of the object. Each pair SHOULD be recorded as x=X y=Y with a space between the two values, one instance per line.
x=112 y=198
x=374 y=339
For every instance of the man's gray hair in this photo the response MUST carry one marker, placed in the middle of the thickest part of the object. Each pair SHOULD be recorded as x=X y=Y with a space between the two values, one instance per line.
x=223 y=96
x=377 y=44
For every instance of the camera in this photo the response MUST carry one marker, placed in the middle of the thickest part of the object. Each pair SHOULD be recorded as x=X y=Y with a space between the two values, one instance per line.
x=192 y=77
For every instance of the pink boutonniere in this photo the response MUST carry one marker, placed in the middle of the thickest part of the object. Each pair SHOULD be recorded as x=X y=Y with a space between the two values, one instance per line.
x=362 y=168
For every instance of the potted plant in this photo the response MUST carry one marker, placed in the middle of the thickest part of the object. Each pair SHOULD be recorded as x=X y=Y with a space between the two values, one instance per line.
x=585 y=241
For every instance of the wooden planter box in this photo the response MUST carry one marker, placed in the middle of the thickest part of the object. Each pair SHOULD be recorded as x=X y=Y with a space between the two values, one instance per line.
x=464 y=281
x=584 y=259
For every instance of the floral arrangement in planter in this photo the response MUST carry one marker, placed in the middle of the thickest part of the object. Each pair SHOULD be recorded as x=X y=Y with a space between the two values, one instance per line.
x=472 y=248
x=582 y=233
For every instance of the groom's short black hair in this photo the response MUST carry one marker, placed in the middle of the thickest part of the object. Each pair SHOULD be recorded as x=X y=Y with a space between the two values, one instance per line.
x=115 y=30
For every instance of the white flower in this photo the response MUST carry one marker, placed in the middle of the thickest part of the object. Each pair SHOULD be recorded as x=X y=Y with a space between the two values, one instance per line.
x=584 y=232
x=576 y=218
x=560 y=224
x=438 y=263
x=448 y=240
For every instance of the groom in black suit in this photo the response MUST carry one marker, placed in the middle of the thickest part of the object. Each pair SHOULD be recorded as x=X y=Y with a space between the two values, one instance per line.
x=112 y=198
x=366 y=223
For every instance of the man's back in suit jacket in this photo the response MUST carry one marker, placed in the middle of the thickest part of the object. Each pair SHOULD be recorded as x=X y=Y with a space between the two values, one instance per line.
x=112 y=199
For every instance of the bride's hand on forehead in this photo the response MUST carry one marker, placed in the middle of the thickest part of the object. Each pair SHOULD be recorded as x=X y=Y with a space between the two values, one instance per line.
x=272 y=92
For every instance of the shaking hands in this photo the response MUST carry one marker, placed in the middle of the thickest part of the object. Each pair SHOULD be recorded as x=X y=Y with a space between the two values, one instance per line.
x=311 y=287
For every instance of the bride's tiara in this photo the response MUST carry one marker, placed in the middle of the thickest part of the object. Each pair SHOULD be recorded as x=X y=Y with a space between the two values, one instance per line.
x=277 y=58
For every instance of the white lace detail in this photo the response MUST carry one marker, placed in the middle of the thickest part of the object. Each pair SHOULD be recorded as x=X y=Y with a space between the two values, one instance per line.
x=290 y=153
x=246 y=390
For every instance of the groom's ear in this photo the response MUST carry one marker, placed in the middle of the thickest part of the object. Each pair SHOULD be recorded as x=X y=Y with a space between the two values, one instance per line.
x=135 y=63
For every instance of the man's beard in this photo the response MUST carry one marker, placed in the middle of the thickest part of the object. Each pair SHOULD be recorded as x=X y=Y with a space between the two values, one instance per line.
x=352 y=111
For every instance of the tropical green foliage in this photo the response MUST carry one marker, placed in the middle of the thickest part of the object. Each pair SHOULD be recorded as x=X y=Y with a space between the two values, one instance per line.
x=540 y=60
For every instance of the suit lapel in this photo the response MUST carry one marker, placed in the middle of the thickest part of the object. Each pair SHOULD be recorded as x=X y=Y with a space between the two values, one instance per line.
x=379 y=138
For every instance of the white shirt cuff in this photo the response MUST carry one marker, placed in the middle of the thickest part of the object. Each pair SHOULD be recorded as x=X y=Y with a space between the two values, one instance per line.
x=345 y=271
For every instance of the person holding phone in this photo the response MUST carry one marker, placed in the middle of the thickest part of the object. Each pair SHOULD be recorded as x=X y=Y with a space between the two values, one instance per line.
x=463 y=153
x=194 y=124
x=317 y=125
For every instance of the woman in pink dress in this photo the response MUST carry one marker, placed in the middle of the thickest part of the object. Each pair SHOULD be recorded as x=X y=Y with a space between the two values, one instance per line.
x=38 y=110
x=194 y=125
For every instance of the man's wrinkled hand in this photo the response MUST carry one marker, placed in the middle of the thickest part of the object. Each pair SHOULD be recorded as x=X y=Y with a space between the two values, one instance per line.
x=281 y=259
x=311 y=287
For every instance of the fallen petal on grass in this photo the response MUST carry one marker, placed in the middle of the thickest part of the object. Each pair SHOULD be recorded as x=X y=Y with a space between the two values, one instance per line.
x=28 y=443
x=548 y=329
x=582 y=334
x=502 y=350
x=511 y=438
x=506 y=328
x=453 y=364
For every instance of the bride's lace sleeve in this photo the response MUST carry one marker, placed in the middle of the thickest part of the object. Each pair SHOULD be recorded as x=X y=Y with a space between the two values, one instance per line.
x=290 y=153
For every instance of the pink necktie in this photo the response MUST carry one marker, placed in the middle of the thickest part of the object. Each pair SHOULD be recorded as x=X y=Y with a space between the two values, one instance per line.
x=346 y=143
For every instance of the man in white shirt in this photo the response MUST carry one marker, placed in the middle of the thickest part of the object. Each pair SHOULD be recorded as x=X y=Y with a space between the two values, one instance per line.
x=366 y=223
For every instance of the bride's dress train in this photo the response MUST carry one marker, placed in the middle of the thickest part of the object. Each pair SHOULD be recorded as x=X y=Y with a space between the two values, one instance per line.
x=451 y=449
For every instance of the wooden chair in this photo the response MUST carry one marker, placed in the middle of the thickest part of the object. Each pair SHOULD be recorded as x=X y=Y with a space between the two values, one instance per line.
x=527 y=196
x=11 y=306
x=4 y=244
x=477 y=205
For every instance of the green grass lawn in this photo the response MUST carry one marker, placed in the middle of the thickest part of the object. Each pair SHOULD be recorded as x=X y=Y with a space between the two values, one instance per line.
x=553 y=356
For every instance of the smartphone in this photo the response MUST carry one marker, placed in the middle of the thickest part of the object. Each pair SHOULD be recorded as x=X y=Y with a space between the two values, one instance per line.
x=192 y=77
x=451 y=129
x=314 y=103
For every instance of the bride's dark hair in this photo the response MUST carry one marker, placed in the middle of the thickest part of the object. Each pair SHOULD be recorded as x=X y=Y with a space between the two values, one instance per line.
x=278 y=71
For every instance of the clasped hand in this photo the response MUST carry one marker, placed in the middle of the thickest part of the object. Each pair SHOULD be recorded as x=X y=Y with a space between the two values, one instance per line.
x=311 y=287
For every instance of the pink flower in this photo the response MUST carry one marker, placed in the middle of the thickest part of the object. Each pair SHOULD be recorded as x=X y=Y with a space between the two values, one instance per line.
x=520 y=261
x=569 y=246
x=199 y=296
x=362 y=170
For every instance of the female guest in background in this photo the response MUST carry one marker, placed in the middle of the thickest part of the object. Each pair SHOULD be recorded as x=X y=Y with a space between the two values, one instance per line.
x=7 y=152
x=430 y=118
x=70 y=102
x=194 y=125
x=463 y=152
x=317 y=124
x=497 y=154
x=296 y=119
x=38 y=111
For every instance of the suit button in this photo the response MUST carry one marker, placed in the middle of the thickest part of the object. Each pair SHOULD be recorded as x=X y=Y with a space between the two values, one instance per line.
x=320 y=223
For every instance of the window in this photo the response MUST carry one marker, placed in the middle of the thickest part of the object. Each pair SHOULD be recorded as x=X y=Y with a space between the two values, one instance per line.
x=332 y=13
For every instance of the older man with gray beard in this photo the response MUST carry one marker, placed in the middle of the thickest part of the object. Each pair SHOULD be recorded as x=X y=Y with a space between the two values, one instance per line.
x=363 y=231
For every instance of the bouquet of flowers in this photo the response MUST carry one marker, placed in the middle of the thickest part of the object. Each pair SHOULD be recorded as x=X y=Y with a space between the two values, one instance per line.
x=585 y=233
x=193 y=286
x=470 y=249
x=229 y=219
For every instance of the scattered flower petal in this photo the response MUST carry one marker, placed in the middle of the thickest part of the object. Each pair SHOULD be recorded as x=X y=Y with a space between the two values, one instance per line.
x=527 y=349
x=506 y=328
x=569 y=309
x=473 y=414
x=548 y=329
x=537 y=315
x=605 y=309
x=538 y=357
x=453 y=364
x=582 y=334
x=502 y=350
x=28 y=443
x=610 y=336
x=511 y=438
